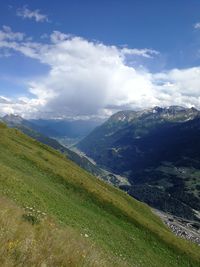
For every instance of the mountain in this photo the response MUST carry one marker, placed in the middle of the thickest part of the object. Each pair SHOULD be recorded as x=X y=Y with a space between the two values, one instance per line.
x=13 y=120
x=158 y=149
x=54 y=213
x=27 y=127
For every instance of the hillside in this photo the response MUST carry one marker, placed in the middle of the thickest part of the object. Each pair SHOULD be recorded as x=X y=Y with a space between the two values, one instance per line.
x=42 y=242
x=158 y=150
x=28 y=128
x=121 y=230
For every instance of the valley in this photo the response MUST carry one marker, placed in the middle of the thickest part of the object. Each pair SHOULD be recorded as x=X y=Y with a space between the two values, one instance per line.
x=122 y=230
x=158 y=151
x=151 y=181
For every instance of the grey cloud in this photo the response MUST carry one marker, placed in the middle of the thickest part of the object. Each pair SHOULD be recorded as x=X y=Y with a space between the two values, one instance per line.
x=92 y=79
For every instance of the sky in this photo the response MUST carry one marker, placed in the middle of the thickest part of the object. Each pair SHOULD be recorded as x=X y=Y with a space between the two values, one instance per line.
x=89 y=59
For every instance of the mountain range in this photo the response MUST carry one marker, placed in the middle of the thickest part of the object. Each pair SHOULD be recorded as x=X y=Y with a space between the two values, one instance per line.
x=158 y=150
x=151 y=154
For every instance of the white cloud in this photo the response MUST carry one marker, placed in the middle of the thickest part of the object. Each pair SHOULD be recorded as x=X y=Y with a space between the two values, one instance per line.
x=148 y=53
x=26 y=13
x=179 y=87
x=92 y=79
x=22 y=106
x=7 y=34
x=197 y=25
x=4 y=100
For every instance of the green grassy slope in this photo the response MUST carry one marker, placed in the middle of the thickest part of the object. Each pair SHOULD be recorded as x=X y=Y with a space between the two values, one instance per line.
x=28 y=128
x=45 y=243
x=35 y=175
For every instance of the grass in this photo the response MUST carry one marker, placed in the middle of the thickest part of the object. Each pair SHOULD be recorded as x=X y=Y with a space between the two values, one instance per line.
x=42 y=244
x=124 y=230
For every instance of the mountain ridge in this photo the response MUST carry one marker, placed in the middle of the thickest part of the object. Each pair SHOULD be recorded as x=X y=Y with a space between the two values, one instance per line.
x=140 y=144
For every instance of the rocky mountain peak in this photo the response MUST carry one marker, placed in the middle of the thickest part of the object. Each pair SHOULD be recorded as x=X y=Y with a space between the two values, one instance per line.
x=13 y=119
x=176 y=113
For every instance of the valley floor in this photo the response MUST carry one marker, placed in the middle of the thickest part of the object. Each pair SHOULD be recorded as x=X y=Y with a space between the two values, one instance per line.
x=183 y=228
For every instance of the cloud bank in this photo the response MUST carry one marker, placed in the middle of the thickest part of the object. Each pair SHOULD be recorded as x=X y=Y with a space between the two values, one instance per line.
x=91 y=79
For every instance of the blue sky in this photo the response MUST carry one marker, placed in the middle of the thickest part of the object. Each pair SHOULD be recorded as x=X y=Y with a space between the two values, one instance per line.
x=163 y=38
x=166 y=26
